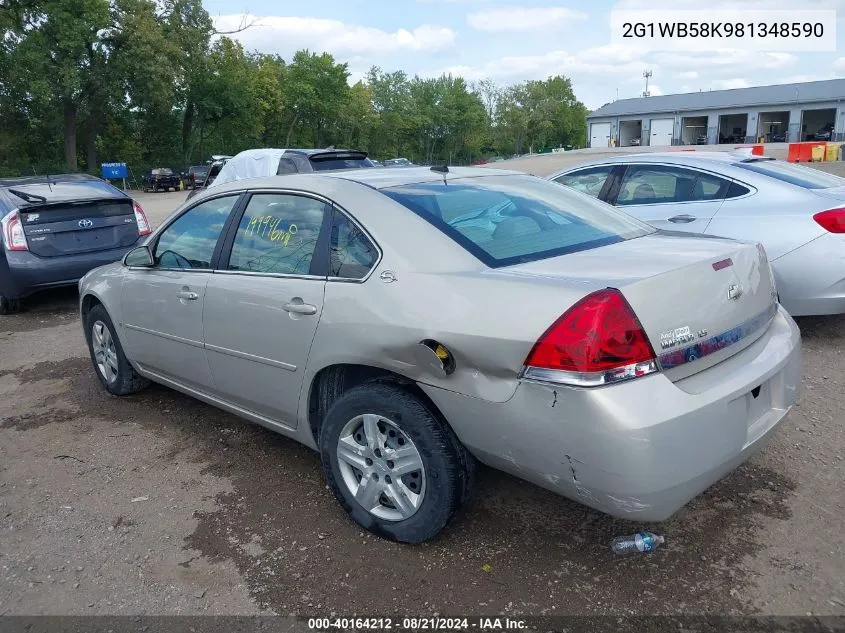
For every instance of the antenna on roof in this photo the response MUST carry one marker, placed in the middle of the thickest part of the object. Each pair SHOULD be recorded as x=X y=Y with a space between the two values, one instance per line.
x=646 y=75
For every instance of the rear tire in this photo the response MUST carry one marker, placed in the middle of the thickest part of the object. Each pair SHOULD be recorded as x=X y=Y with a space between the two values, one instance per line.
x=9 y=306
x=404 y=474
x=110 y=363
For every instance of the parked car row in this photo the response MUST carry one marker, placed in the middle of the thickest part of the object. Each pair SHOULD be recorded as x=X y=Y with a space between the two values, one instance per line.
x=668 y=353
x=654 y=350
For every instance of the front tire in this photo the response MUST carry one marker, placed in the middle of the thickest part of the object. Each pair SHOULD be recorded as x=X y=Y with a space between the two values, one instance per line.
x=393 y=464
x=110 y=363
x=9 y=306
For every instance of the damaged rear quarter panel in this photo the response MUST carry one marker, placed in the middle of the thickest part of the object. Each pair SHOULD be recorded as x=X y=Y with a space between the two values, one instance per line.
x=484 y=322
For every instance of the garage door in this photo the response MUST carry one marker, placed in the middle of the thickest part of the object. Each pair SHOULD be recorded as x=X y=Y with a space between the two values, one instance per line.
x=599 y=134
x=661 y=131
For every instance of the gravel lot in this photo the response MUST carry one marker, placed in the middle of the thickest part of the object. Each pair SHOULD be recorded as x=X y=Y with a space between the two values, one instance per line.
x=158 y=504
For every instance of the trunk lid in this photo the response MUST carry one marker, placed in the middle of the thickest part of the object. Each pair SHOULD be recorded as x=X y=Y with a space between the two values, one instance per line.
x=700 y=300
x=832 y=193
x=72 y=227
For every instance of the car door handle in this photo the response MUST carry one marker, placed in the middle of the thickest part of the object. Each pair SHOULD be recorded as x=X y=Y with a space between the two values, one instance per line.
x=300 y=308
x=682 y=219
x=187 y=295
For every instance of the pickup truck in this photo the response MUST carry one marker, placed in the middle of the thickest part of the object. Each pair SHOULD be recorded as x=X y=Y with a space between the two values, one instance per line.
x=161 y=179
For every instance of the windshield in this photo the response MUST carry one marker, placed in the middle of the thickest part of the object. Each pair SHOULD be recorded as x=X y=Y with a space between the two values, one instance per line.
x=794 y=174
x=505 y=220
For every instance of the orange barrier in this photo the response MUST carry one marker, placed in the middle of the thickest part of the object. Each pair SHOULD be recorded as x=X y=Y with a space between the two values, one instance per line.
x=803 y=152
x=756 y=150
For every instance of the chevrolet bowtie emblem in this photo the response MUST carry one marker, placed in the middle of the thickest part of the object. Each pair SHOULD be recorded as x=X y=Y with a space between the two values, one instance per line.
x=734 y=292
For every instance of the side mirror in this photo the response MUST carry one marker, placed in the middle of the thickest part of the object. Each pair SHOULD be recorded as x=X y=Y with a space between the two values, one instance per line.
x=140 y=257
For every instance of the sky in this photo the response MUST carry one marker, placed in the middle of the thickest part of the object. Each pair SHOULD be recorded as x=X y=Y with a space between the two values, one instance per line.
x=510 y=41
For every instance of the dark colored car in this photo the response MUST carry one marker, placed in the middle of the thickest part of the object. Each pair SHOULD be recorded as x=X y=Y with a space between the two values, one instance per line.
x=779 y=137
x=824 y=134
x=161 y=179
x=56 y=229
x=196 y=175
x=295 y=161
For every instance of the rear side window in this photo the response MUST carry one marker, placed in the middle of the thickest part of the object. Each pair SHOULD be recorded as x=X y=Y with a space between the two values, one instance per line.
x=656 y=184
x=351 y=253
x=278 y=234
x=590 y=181
x=793 y=174
x=286 y=166
x=505 y=220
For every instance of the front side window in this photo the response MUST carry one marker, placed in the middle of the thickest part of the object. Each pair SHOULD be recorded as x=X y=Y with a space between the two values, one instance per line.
x=278 y=234
x=656 y=184
x=590 y=181
x=189 y=242
x=351 y=253
x=505 y=220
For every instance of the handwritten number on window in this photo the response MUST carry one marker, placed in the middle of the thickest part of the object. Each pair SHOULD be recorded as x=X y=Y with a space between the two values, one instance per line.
x=267 y=226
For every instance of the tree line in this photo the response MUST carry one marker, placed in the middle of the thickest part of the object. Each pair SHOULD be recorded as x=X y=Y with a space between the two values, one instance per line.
x=152 y=83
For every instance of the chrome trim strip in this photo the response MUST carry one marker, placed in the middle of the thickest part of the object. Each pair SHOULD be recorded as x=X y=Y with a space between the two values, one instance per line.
x=588 y=379
x=252 y=357
x=717 y=343
x=169 y=337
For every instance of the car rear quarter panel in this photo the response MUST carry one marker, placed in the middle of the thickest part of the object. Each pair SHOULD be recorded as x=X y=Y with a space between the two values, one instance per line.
x=487 y=320
x=777 y=215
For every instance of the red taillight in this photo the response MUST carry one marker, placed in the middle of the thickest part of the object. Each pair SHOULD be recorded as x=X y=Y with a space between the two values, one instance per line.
x=832 y=220
x=599 y=336
x=141 y=220
x=13 y=234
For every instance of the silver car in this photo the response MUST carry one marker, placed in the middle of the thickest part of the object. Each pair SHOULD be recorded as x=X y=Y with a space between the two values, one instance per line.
x=796 y=212
x=406 y=322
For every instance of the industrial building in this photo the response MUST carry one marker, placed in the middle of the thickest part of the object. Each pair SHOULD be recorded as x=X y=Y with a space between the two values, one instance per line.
x=784 y=113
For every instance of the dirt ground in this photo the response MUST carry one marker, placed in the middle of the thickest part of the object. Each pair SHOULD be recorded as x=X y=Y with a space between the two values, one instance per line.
x=158 y=504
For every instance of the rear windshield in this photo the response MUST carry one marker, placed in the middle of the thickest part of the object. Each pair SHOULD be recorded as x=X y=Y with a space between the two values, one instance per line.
x=324 y=164
x=505 y=220
x=794 y=174
x=164 y=171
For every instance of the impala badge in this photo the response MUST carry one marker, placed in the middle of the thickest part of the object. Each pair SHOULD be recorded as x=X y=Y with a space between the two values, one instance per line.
x=678 y=336
x=734 y=292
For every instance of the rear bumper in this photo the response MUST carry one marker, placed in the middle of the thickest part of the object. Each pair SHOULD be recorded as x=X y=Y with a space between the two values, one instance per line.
x=641 y=449
x=22 y=273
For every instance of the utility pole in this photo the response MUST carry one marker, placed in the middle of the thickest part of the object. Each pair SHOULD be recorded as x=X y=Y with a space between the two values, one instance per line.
x=647 y=74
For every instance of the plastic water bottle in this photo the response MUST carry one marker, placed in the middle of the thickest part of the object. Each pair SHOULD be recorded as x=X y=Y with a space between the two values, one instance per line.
x=639 y=543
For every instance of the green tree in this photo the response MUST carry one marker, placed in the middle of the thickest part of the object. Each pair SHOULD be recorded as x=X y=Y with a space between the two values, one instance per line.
x=317 y=92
